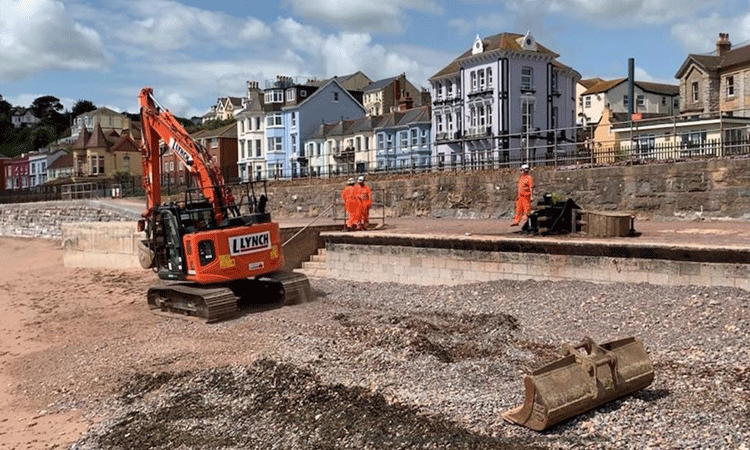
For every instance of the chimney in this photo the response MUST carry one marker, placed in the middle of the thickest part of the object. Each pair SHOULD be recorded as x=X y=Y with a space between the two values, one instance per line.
x=722 y=44
x=405 y=102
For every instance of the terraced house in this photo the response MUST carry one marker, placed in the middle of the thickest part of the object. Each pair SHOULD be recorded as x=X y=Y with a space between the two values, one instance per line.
x=506 y=99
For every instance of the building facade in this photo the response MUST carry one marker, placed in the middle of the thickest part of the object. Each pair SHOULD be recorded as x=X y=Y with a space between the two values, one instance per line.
x=294 y=112
x=251 y=130
x=505 y=100
x=719 y=82
x=650 y=98
x=105 y=118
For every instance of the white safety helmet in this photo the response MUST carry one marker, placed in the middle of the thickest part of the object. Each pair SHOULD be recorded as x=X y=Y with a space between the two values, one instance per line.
x=525 y=167
x=350 y=181
x=361 y=179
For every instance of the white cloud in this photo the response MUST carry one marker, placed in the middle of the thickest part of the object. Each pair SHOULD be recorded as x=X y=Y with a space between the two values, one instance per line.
x=346 y=52
x=615 y=13
x=168 y=26
x=362 y=15
x=699 y=35
x=491 y=21
x=37 y=36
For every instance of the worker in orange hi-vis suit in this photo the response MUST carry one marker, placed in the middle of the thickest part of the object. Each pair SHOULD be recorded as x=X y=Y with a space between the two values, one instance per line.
x=365 y=197
x=525 y=193
x=351 y=204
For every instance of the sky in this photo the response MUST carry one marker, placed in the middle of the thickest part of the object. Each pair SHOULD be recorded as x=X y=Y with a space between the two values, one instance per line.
x=193 y=52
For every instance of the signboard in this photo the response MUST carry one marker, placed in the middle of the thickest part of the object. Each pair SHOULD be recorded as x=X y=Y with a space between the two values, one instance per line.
x=636 y=117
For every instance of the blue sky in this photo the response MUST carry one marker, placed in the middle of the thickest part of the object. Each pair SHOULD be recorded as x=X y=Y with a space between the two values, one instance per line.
x=192 y=52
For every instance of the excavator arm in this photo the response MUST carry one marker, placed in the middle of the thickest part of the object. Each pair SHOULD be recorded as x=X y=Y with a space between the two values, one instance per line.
x=160 y=124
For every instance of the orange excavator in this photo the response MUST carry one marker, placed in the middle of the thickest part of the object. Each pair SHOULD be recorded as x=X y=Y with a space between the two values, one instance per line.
x=208 y=250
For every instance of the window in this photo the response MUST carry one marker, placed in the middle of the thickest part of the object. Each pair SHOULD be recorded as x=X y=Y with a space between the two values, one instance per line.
x=588 y=102
x=553 y=118
x=257 y=148
x=449 y=124
x=489 y=78
x=625 y=101
x=473 y=81
x=275 y=96
x=101 y=165
x=335 y=96
x=126 y=163
x=527 y=117
x=214 y=142
x=294 y=142
x=481 y=80
x=294 y=119
x=414 y=137
x=439 y=91
x=553 y=82
x=481 y=116
x=381 y=140
x=425 y=136
x=273 y=120
x=242 y=126
x=639 y=100
x=695 y=91
x=274 y=144
x=489 y=115
x=730 y=86
x=664 y=101
x=303 y=94
x=290 y=94
x=257 y=123
x=404 y=139
x=242 y=149
x=439 y=123
x=358 y=145
x=527 y=79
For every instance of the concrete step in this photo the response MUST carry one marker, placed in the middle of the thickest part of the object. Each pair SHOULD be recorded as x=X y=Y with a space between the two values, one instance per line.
x=314 y=265
x=312 y=273
x=318 y=258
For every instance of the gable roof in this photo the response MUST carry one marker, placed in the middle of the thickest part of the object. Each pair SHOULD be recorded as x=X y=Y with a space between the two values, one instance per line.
x=227 y=131
x=321 y=89
x=712 y=63
x=103 y=111
x=588 y=83
x=380 y=84
x=497 y=42
x=646 y=86
x=125 y=144
x=63 y=162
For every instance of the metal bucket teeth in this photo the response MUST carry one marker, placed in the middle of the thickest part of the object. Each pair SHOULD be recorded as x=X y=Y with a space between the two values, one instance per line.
x=587 y=376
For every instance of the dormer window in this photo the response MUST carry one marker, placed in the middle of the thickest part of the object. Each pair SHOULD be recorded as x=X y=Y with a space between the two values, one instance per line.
x=695 y=91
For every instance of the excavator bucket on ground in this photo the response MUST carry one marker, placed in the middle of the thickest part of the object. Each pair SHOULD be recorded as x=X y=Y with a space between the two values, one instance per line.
x=588 y=375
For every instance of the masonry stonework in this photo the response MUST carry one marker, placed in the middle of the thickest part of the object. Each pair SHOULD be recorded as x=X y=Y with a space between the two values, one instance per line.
x=676 y=190
x=437 y=266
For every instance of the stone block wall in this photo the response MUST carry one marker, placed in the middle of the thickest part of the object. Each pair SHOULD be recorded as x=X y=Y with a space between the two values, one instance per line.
x=443 y=266
x=676 y=190
x=45 y=219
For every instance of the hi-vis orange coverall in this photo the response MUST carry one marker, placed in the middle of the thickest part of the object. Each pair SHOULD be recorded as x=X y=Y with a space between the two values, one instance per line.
x=351 y=204
x=523 y=202
x=365 y=197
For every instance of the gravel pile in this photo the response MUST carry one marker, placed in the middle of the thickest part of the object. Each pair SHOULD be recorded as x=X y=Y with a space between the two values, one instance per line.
x=397 y=366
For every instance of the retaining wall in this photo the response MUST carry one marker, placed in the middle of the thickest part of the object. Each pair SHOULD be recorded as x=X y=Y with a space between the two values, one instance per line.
x=682 y=190
x=45 y=219
x=443 y=261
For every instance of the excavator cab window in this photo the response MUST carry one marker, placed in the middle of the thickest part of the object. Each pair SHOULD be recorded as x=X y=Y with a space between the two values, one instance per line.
x=170 y=256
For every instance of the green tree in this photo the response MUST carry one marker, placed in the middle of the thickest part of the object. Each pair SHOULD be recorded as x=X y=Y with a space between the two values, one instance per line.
x=45 y=106
x=82 y=106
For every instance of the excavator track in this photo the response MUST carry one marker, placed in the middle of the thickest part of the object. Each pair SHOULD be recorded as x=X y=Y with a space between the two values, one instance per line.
x=190 y=301
x=294 y=288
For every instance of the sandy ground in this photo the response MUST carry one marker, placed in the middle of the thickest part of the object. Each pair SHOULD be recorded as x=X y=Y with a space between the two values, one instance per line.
x=48 y=309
